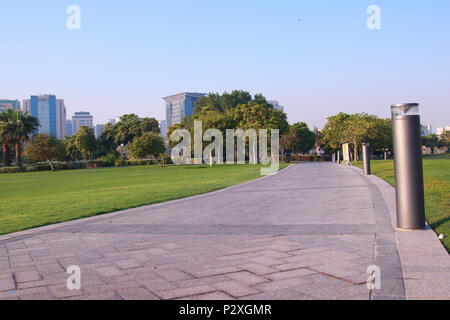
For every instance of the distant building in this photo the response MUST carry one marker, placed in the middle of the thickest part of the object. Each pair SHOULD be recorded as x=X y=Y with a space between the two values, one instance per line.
x=426 y=131
x=112 y=121
x=69 y=128
x=440 y=130
x=82 y=119
x=9 y=104
x=99 y=130
x=180 y=106
x=51 y=113
x=164 y=129
x=276 y=105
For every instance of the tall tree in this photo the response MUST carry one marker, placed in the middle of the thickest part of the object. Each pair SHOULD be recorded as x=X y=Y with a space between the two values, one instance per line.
x=318 y=139
x=304 y=136
x=107 y=140
x=257 y=116
x=149 y=144
x=431 y=141
x=17 y=127
x=288 y=143
x=381 y=134
x=85 y=142
x=229 y=101
x=6 y=136
x=44 y=147
x=357 y=131
x=445 y=138
x=72 y=151
x=131 y=126
x=333 y=132
x=212 y=101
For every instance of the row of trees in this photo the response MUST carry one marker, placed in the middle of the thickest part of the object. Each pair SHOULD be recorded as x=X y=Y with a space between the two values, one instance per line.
x=240 y=110
x=139 y=136
x=433 y=141
x=356 y=129
x=235 y=110
x=15 y=128
x=361 y=127
x=300 y=139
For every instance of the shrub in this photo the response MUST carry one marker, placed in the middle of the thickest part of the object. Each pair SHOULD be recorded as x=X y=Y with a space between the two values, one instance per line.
x=301 y=157
x=149 y=144
x=165 y=159
x=92 y=164
x=109 y=160
x=77 y=165
x=9 y=170
x=38 y=167
x=120 y=162
x=61 y=165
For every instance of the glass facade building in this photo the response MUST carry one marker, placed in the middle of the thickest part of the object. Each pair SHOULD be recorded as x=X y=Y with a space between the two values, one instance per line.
x=180 y=106
x=51 y=113
x=69 y=128
x=99 y=130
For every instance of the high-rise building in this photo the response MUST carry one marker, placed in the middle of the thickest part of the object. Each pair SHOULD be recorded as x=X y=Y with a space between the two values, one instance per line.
x=82 y=119
x=99 y=128
x=51 y=113
x=426 y=130
x=69 y=128
x=163 y=128
x=9 y=104
x=180 y=106
x=276 y=105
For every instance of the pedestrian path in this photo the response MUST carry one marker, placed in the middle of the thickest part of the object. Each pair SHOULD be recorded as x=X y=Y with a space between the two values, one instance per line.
x=309 y=232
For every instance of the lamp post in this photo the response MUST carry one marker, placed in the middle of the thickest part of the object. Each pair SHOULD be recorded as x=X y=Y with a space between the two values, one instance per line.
x=408 y=166
x=366 y=159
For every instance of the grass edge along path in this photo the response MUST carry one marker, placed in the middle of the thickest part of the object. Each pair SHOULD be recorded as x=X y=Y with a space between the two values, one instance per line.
x=37 y=199
x=437 y=190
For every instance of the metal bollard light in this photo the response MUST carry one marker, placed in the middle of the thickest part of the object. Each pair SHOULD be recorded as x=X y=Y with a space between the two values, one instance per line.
x=366 y=158
x=408 y=166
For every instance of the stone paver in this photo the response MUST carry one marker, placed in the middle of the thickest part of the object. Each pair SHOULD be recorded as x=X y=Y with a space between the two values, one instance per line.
x=309 y=232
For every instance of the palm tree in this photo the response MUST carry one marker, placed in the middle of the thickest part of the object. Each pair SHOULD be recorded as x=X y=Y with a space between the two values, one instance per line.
x=318 y=139
x=6 y=134
x=5 y=139
x=26 y=125
x=16 y=127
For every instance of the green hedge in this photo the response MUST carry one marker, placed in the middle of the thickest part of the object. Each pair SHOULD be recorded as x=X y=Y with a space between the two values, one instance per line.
x=9 y=170
x=104 y=162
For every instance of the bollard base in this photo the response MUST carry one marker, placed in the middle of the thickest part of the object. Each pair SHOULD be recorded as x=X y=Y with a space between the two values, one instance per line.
x=410 y=230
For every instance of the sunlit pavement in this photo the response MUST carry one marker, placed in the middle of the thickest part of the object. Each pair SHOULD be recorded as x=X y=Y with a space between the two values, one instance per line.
x=309 y=232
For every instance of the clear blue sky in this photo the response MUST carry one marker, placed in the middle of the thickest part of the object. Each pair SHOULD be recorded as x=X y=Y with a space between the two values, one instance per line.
x=130 y=54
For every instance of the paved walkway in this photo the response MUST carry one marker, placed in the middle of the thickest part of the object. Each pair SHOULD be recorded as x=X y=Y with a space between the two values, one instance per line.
x=309 y=232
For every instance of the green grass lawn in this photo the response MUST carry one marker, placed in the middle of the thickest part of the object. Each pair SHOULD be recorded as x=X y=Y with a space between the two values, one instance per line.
x=29 y=200
x=437 y=190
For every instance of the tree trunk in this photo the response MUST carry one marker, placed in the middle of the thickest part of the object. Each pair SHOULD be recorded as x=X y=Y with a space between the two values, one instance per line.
x=51 y=165
x=355 y=152
x=18 y=154
x=5 y=153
